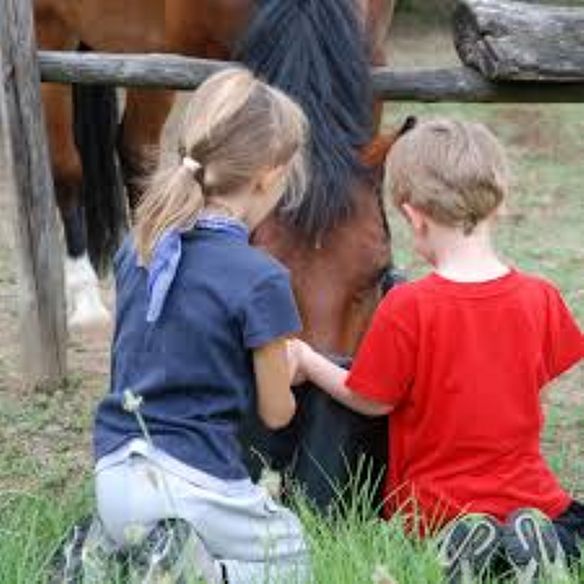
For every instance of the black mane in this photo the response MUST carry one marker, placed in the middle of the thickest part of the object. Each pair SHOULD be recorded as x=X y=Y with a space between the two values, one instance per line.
x=315 y=51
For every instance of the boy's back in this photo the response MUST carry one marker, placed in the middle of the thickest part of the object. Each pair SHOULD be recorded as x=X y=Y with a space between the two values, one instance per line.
x=463 y=365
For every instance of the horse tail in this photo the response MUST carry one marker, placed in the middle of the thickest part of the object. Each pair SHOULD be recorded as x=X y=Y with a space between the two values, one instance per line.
x=316 y=51
x=96 y=125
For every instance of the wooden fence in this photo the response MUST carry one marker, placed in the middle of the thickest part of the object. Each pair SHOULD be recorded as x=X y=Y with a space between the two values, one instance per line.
x=457 y=84
x=40 y=258
x=511 y=52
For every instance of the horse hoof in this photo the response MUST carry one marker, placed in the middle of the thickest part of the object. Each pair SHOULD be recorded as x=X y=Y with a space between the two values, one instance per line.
x=85 y=308
x=88 y=313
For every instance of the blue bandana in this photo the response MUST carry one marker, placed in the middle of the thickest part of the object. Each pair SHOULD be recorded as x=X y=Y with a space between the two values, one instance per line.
x=168 y=251
x=224 y=224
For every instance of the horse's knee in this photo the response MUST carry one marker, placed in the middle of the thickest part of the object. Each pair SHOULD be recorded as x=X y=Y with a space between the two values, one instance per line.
x=134 y=168
x=67 y=168
x=67 y=177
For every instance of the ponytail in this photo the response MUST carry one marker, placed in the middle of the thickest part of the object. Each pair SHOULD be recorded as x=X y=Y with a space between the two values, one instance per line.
x=234 y=127
x=173 y=199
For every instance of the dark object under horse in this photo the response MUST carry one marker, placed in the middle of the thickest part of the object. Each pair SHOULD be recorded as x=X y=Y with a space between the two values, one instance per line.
x=332 y=453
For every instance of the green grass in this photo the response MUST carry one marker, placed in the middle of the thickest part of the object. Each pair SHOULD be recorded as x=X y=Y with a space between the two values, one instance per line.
x=32 y=526
x=352 y=548
x=361 y=549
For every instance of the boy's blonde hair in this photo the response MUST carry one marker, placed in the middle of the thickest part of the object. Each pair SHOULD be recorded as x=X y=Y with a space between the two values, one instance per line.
x=235 y=127
x=455 y=172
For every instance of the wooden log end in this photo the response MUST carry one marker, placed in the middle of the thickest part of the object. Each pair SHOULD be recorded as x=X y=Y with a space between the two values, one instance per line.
x=518 y=41
x=468 y=41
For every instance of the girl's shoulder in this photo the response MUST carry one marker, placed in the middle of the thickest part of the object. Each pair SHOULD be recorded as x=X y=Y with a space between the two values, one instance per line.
x=233 y=260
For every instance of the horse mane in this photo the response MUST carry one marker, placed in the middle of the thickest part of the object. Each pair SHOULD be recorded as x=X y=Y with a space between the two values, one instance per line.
x=316 y=51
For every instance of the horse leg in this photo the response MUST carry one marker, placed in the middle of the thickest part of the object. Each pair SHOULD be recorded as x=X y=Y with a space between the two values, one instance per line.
x=84 y=305
x=140 y=134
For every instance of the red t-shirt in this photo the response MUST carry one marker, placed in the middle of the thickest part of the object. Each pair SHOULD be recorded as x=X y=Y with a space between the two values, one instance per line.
x=463 y=365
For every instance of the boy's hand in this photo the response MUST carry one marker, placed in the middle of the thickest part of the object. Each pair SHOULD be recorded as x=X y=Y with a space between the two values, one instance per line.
x=297 y=355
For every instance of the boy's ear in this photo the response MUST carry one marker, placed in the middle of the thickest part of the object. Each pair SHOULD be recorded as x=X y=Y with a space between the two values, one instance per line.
x=415 y=217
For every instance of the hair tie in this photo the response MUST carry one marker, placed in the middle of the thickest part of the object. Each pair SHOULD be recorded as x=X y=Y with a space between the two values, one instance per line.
x=193 y=165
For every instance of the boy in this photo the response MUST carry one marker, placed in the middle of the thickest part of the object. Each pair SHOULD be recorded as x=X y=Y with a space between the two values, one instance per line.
x=460 y=358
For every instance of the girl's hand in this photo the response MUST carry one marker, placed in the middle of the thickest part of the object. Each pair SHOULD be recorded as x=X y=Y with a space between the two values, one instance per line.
x=298 y=352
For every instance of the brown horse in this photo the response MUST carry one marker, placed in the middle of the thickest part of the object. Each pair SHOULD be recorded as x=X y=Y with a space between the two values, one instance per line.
x=338 y=247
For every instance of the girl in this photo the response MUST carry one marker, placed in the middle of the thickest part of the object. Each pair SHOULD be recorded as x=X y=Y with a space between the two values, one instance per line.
x=201 y=323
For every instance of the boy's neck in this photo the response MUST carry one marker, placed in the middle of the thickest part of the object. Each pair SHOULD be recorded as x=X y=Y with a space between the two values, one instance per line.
x=466 y=258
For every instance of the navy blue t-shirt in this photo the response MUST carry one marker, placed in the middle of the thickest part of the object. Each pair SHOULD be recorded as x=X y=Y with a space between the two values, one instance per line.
x=193 y=366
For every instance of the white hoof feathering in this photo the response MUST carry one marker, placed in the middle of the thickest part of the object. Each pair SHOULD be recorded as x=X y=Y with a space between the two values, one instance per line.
x=84 y=305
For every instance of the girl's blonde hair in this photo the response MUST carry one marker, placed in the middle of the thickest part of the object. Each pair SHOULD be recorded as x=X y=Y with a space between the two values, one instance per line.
x=235 y=127
x=456 y=172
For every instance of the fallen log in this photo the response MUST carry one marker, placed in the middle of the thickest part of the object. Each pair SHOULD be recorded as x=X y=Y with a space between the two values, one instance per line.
x=518 y=41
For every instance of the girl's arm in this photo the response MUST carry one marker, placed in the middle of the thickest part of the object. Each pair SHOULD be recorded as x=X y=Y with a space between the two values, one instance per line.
x=276 y=403
x=331 y=378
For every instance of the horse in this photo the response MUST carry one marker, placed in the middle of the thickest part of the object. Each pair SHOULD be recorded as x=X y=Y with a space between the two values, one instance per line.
x=337 y=244
x=87 y=178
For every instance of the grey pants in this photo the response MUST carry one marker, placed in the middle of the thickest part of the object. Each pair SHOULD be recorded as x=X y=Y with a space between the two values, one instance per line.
x=256 y=540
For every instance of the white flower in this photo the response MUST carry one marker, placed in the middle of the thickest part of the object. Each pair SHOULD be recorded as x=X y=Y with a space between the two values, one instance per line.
x=382 y=576
x=271 y=481
x=131 y=402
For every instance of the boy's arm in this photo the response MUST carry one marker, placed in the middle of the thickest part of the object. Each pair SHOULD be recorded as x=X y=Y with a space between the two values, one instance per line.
x=331 y=378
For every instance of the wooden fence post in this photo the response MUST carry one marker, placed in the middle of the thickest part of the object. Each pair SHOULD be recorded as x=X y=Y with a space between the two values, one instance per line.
x=40 y=270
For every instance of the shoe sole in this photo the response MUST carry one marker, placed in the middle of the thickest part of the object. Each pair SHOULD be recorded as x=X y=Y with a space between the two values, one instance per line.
x=532 y=547
x=173 y=553
x=467 y=549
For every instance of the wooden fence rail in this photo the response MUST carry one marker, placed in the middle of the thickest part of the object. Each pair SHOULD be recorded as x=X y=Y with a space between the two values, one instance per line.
x=460 y=84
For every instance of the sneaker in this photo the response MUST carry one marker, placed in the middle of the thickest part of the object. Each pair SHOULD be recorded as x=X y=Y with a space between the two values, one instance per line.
x=99 y=556
x=86 y=556
x=467 y=547
x=172 y=553
x=533 y=549
x=65 y=566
